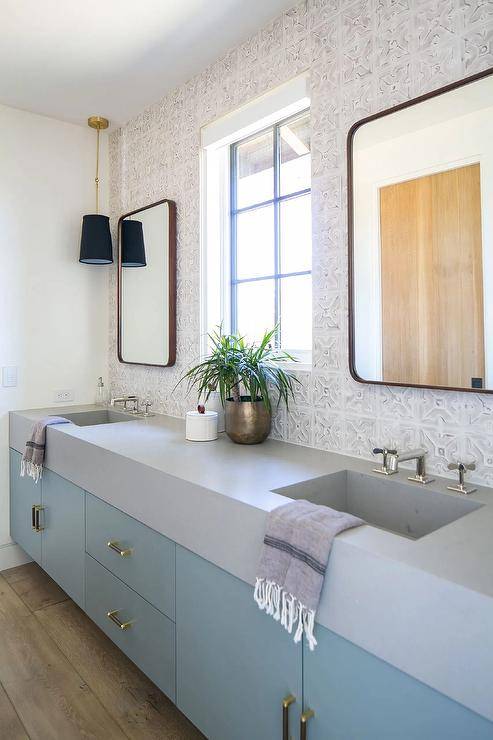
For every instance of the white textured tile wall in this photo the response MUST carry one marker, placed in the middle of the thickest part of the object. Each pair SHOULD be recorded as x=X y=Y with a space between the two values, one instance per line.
x=363 y=56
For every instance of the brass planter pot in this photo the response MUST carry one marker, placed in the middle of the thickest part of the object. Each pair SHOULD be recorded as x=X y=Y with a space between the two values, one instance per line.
x=247 y=422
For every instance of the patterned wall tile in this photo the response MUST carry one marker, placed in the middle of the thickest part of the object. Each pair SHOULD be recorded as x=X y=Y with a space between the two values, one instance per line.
x=363 y=56
x=360 y=436
x=328 y=431
x=327 y=391
x=476 y=12
x=478 y=49
x=300 y=425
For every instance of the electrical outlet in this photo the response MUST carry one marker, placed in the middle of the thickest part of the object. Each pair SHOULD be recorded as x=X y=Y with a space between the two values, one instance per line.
x=63 y=396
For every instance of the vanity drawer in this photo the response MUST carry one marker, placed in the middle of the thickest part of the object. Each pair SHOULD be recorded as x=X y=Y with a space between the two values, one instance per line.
x=148 y=561
x=149 y=638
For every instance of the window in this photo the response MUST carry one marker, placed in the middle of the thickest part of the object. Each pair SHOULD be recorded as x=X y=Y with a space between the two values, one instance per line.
x=270 y=199
x=255 y=234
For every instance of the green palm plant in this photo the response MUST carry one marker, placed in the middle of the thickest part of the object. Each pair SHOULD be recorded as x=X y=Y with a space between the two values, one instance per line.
x=234 y=365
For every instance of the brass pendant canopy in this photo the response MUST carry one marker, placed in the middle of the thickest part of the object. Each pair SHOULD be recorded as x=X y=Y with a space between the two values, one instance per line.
x=98 y=122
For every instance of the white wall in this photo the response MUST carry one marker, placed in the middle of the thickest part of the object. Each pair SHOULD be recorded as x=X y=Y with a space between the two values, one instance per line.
x=457 y=142
x=53 y=310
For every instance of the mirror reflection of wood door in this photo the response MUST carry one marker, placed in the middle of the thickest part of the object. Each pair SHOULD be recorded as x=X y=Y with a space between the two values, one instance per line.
x=432 y=279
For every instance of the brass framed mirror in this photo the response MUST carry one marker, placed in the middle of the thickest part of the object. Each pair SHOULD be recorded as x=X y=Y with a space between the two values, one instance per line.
x=420 y=220
x=147 y=285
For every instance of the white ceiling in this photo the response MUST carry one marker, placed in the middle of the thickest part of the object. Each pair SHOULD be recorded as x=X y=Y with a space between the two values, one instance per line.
x=73 y=58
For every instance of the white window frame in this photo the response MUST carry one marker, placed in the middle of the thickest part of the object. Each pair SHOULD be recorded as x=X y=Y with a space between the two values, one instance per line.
x=215 y=246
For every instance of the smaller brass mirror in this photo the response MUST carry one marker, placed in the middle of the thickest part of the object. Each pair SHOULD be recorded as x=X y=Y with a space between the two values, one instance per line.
x=147 y=285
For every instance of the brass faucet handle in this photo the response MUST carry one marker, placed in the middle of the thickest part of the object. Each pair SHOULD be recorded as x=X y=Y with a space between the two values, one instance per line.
x=462 y=468
x=385 y=452
x=147 y=403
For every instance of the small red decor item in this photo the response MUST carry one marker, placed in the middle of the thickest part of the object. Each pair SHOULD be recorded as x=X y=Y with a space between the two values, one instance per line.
x=201 y=409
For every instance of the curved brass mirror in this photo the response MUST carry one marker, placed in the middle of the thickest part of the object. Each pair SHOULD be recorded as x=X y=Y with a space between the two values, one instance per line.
x=421 y=241
x=147 y=285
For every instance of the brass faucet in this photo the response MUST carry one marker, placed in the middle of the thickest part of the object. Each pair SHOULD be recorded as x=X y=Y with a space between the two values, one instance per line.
x=419 y=455
x=125 y=400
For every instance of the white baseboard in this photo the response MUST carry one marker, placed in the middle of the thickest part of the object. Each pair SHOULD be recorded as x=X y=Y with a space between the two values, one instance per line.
x=12 y=555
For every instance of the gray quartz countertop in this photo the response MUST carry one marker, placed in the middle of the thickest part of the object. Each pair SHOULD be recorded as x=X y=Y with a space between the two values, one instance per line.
x=425 y=606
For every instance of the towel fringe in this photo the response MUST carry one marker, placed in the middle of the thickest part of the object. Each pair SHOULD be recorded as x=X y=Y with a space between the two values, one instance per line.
x=33 y=471
x=286 y=608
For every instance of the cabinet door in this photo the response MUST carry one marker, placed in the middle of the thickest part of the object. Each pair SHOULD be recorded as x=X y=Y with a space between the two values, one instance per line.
x=234 y=663
x=63 y=534
x=149 y=636
x=356 y=696
x=24 y=494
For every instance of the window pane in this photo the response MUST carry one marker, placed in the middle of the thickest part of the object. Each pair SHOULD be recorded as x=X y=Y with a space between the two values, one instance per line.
x=255 y=170
x=296 y=234
x=296 y=312
x=255 y=308
x=295 y=155
x=255 y=243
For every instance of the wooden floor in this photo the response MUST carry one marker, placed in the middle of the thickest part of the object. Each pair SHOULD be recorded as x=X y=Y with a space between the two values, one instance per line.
x=62 y=678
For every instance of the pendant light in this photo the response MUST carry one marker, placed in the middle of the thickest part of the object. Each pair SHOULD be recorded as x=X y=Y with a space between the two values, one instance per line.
x=133 y=250
x=95 y=243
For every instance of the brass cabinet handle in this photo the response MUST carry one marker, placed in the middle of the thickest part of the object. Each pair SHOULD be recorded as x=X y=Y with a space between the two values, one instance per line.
x=116 y=547
x=113 y=617
x=35 y=517
x=286 y=703
x=303 y=721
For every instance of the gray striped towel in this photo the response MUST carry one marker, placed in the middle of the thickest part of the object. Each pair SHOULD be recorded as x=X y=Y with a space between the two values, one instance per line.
x=294 y=558
x=34 y=454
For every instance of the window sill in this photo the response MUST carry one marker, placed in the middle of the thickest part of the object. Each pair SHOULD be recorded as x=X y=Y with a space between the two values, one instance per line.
x=305 y=366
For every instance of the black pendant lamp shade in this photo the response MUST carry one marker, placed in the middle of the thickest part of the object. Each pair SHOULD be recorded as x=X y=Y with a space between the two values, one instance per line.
x=133 y=249
x=95 y=242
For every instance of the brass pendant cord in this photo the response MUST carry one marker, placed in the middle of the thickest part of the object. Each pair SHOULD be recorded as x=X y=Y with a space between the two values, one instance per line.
x=97 y=122
x=96 y=180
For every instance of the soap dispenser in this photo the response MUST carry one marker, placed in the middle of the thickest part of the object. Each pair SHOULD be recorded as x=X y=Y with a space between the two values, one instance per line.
x=101 y=396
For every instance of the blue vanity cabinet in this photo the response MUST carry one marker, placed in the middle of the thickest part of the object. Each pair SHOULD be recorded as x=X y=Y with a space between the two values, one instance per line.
x=25 y=495
x=235 y=665
x=63 y=542
x=356 y=696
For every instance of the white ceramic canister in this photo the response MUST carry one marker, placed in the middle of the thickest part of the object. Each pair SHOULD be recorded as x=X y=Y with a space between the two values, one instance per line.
x=201 y=427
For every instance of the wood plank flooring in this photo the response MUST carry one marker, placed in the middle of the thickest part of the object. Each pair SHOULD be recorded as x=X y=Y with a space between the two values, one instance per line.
x=62 y=678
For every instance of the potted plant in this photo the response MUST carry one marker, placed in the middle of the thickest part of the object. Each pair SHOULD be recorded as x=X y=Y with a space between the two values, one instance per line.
x=243 y=374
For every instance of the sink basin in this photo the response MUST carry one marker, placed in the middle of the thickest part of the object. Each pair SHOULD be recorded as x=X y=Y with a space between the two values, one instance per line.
x=100 y=416
x=407 y=509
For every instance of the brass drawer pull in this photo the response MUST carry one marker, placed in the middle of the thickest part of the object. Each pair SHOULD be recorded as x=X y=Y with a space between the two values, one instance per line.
x=303 y=721
x=35 y=517
x=286 y=703
x=116 y=547
x=113 y=617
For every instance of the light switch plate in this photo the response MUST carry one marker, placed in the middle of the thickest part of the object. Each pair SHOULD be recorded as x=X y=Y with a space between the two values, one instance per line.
x=9 y=376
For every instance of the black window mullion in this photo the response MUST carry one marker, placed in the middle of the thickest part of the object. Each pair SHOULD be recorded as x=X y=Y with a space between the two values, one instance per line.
x=263 y=203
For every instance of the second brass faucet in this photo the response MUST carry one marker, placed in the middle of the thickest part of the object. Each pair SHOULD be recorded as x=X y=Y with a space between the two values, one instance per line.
x=392 y=458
